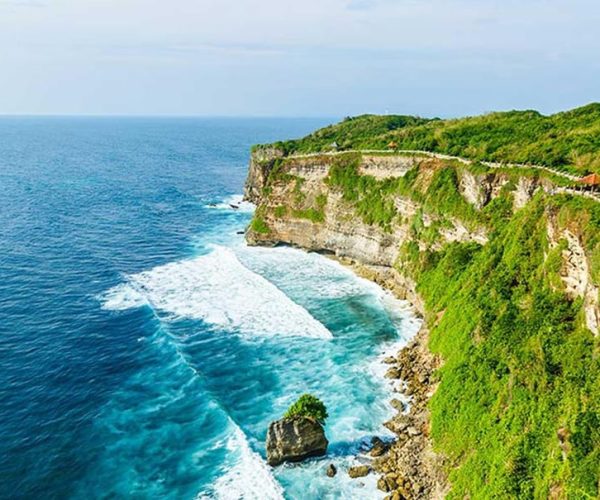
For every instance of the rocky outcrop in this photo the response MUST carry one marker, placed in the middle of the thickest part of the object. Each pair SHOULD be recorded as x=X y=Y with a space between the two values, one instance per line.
x=388 y=167
x=331 y=470
x=526 y=187
x=576 y=274
x=341 y=232
x=260 y=167
x=474 y=188
x=359 y=471
x=410 y=468
x=295 y=439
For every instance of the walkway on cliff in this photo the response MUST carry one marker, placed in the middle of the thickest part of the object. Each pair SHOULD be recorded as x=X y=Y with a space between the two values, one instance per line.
x=587 y=194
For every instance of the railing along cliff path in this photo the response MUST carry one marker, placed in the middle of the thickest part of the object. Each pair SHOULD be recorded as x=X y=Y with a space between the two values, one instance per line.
x=588 y=194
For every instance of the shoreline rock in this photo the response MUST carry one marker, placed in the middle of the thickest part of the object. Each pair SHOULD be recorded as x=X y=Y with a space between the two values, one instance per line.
x=411 y=469
x=359 y=471
x=331 y=470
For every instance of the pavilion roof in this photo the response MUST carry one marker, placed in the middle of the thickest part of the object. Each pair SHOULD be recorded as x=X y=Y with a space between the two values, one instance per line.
x=592 y=179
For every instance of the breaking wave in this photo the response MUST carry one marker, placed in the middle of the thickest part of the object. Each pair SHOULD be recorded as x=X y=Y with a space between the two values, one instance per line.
x=219 y=290
x=250 y=478
x=233 y=202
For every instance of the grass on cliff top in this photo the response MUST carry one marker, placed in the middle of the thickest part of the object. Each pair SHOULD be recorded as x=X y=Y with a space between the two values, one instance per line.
x=518 y=407
x=567 y=141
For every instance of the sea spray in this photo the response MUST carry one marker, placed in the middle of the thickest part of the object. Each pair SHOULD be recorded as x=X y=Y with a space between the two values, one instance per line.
x=219 y=290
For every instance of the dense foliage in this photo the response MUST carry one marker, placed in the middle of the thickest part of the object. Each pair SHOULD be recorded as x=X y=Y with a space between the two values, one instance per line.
x=308 y=406
x=517 y=411
x=351 y=133
x=518 y=407
x=519 y=400
x=568 y=140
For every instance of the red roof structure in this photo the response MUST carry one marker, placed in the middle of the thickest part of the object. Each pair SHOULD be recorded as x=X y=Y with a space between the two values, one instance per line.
x=591 y=180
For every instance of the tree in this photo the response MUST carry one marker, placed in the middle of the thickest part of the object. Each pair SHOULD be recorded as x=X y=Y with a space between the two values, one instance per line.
x=308 y=406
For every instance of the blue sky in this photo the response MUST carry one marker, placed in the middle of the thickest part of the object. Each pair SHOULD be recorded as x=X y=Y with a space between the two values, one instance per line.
x=297 y=58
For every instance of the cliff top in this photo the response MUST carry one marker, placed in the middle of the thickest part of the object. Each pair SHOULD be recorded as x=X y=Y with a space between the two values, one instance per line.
x=568 y=141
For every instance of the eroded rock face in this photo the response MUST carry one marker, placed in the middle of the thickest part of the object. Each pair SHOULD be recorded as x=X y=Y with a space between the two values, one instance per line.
x=341 y=231
x=295 y=439
x=576 y=274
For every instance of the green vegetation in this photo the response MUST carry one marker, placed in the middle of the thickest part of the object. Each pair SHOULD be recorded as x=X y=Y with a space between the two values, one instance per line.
x=517 y=410
x=351 y=133
x=308 y=406
x=312 y=214
x=567 y=141
x=373 y=199
x=280 y=211
x=518 y=406
x=259 y=225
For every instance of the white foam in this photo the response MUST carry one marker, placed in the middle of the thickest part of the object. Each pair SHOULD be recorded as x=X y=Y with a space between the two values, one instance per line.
x=123 y=297
x=218 y=289
x=233 y=201
x=325 y=277
x=249 y=479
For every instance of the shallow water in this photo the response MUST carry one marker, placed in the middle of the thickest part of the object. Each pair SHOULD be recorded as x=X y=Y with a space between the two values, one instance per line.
x=144 y=348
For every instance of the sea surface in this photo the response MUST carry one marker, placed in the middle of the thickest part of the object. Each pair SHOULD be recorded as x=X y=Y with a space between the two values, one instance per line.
x=144 y=348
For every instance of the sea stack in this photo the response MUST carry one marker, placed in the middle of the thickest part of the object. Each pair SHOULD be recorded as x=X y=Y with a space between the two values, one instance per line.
x=294 y=439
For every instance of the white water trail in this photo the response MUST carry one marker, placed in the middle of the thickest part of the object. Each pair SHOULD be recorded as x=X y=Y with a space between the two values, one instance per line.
x=249 y=479
x=233 y=202
x=218 y=289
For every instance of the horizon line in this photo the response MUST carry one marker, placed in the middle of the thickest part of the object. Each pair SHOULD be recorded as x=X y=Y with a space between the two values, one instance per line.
x=159 y=115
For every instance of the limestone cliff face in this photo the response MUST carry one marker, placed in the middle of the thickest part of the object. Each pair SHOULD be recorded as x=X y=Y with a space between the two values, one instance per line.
x=258 y=173
x=299 y=207
x=341 y=231
x=576 y=273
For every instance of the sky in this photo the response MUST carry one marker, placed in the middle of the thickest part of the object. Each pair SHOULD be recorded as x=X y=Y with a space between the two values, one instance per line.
x=297 y=58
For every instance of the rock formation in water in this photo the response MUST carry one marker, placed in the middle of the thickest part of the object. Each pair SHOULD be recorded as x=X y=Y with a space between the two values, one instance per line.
x=295 y=439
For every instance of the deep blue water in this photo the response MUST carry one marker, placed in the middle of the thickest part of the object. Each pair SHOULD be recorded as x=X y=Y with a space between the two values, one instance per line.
x=143 y=347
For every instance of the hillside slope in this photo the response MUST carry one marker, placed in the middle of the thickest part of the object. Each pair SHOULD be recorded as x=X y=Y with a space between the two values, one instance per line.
x=569 y=140
x=506 y=271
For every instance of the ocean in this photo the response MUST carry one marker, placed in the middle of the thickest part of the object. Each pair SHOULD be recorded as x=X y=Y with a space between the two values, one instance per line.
x=144 y=348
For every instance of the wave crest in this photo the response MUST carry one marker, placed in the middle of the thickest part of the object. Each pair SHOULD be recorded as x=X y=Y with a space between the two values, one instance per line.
x=218 y=289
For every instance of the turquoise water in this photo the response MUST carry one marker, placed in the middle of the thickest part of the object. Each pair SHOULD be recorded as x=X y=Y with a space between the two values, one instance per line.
x=143 y=347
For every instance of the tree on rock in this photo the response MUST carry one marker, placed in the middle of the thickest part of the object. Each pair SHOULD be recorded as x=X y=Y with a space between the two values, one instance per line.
x=308 y=406
x=299 y=434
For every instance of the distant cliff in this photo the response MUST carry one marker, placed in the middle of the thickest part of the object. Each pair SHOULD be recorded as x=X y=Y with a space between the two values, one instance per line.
x=504 y=263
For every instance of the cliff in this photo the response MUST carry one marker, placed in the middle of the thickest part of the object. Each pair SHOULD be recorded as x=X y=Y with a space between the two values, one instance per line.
x=505 y=267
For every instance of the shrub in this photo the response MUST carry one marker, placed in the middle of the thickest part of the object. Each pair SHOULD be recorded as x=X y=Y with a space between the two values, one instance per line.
x=259 y=225
x=280 y=211
x=308 y=406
